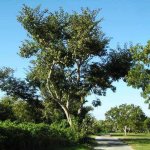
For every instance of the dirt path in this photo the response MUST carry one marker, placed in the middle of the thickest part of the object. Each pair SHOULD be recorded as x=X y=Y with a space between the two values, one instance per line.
x=110 y=143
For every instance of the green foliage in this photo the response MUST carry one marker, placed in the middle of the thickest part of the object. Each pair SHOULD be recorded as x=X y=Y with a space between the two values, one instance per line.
x=72 y=134
x=70 y=60
x=86 y=125
x=147 y=124
x=6 y=111
x=17 y=109
x=23 y=112
x=126 y=117
x=71 y=57
x=50 y=112
x=36 y=136
x=16 y=87
x=139 y=74
x=102 y=127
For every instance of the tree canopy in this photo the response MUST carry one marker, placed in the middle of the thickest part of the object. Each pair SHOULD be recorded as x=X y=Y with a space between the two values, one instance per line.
x=70 y=59
x=126 y=117
x=147 y=124
x=139 y=74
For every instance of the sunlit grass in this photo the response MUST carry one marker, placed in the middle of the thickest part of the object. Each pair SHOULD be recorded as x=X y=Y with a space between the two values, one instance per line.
x=77 y=147
x=138 y=141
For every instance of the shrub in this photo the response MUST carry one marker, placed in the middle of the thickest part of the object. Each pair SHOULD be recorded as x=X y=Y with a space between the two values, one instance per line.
x=31 y=136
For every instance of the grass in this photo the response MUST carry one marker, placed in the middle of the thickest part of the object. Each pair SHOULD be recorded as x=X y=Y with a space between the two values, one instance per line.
x=138 y=141
x=77 y=147
x=87 y=144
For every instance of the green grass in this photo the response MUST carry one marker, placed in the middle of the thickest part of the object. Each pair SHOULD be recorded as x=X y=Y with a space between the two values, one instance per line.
x=77 y=147
x=87 y=144
x=138 y=141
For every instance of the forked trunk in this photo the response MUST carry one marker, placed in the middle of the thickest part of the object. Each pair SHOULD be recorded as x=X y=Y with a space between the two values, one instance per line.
x=68 y=115
x=56 y=98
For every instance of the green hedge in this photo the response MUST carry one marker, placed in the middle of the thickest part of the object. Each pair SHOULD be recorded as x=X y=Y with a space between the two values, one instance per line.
x=30 y=136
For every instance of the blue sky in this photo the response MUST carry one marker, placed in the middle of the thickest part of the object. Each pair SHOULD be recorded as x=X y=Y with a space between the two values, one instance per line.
x=124 y=21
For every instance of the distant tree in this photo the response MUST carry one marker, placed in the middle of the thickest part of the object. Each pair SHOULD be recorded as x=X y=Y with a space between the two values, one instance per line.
x=17 y=109
x=147 y=124
x=91 y=125
x=97 y=128
x=6 y=112
x=18 y=91
x=25 y=112
x=71 y=59
x=17 y=88
x=139 y=75
x=105 y=126
x=126 y=117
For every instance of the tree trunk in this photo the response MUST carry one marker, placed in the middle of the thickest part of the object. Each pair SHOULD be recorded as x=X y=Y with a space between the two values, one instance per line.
x=68 y=115
x=81 y=106
x=56 y=99
x=125 y=130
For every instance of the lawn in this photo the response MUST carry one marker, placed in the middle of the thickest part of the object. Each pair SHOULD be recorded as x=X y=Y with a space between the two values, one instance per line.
x=77 y=147
x=138 y=141
x=87 y=144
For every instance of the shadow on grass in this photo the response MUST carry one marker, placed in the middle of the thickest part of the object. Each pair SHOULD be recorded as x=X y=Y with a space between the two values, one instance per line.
x=85 y=144
x=131 y=134
x=136 y=140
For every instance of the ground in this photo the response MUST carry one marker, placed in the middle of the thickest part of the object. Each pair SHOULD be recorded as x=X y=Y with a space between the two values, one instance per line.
x=110 y=143
x=140 y=141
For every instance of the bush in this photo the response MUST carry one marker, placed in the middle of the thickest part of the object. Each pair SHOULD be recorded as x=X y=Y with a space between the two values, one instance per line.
x=31 y=136
x=72 y=134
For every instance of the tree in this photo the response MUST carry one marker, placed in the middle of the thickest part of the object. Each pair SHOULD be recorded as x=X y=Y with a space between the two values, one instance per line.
x=70 y=57
x=147 y=124
x=139 y=74
x=18 y=91
x=17 y=88
x=126 y=117
x=17 y=109
x=6 y=111
x=24 y=112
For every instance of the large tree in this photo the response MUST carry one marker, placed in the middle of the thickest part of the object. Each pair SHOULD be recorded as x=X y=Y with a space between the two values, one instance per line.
x=126 y=117
x=70 y=57
x=139 y=74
